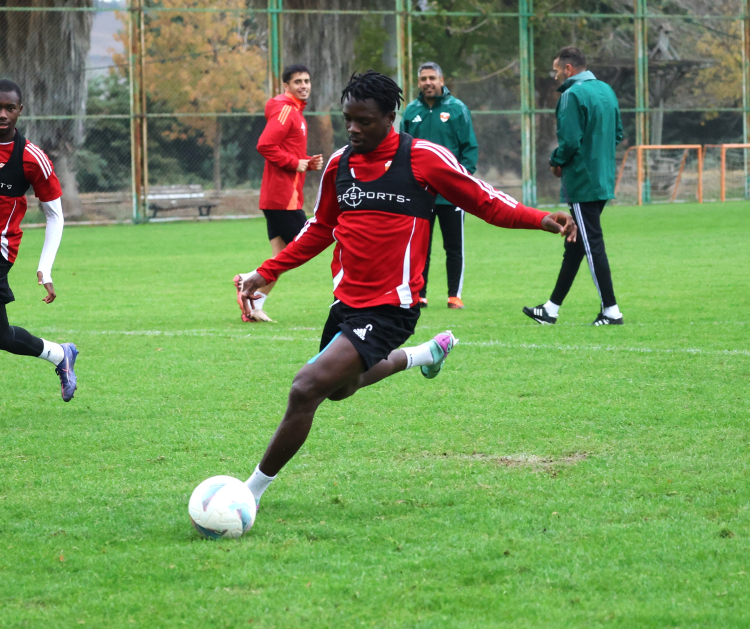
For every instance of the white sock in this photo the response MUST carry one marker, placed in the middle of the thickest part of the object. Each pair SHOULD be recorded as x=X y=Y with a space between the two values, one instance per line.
x=52 y=352
x=257 y=304
x=258 y=483
x=418 y=356
x=613 y=312
x=552 y=309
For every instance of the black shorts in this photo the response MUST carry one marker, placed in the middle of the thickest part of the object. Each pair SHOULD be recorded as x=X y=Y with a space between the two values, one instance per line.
x=375 y=332
x=6 y=295
x=284 y=223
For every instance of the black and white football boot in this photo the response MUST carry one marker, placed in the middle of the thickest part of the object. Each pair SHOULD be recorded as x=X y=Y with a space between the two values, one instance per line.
x=540 y=315
x=603 y=320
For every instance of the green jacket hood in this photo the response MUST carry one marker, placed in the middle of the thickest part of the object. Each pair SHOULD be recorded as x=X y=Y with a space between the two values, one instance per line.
x=586 y=75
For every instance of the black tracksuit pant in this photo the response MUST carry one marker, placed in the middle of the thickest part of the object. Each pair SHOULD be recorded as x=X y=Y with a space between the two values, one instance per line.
x=452 y=227
x=590 y=243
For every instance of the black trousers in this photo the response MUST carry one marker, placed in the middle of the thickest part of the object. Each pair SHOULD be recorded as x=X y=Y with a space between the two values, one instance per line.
x=590 y=244
x=17 y=340
x=452 y=227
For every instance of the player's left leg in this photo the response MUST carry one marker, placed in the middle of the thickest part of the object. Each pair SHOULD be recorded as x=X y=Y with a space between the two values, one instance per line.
x=21 y=342
x=452 y=227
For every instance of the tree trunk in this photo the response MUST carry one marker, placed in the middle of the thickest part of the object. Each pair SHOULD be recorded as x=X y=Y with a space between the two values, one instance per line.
x=217 y=158
x=45 y=53
x=324 y=43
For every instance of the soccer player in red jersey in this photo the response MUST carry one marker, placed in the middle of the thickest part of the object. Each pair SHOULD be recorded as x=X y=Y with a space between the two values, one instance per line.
x=283 y=144
x=24 y=165
x=375 y=202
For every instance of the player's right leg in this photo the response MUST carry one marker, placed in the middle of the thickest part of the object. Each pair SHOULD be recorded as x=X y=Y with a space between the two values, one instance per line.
x=20 y=342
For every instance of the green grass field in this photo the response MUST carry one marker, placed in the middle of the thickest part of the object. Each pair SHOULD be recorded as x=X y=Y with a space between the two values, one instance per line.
x=558 y=476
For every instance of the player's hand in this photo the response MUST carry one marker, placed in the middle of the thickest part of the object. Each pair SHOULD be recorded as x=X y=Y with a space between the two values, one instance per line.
x=51 y=294
x=561 y=223
x=252 y=284
x=316 y=162
x=556 y=171
x=302 y=165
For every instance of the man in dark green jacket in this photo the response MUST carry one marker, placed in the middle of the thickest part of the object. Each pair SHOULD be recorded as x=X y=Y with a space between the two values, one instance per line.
x=441 y=118
x=588 y=130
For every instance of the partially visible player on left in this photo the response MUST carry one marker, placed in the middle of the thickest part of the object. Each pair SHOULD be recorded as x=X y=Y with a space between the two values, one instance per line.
x=24 y=165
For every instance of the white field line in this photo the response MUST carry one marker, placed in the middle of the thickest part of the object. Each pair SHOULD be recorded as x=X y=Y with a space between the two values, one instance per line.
x=492 y=343
x=610 y=348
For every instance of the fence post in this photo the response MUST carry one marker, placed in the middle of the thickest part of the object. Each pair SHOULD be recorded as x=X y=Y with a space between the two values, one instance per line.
x=401 y=71
x=526 y=59
x=138 y=125
x=274 y=47
x=641 y=73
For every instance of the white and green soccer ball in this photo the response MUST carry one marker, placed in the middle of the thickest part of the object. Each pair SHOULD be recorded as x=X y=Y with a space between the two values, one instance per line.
x=222 y=506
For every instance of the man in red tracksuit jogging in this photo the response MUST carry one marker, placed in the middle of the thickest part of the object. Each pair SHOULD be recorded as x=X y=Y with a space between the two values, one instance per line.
x=283 y=144
x=375 y=203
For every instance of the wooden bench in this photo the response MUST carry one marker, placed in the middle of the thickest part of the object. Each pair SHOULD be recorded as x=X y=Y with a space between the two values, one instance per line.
x=161 y=198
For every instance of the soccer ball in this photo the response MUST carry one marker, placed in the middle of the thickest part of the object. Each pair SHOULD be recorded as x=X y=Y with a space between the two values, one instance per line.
x=222 y=506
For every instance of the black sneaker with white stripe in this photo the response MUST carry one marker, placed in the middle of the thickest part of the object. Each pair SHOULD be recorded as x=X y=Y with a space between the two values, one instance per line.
x=602 y=320
x=540 y=315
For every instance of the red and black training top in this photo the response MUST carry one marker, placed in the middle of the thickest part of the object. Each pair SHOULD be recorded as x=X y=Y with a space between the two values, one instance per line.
x=379 y=222
x=22 y=165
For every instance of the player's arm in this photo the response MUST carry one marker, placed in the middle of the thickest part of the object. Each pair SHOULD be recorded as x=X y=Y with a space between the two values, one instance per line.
x=570 y=126
x=315 y=237
x=40 y=173
x=52 y=237
x=269 y=143
x=440 y=171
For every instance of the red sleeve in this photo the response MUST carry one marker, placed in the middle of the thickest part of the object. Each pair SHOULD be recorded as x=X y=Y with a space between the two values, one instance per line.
x=40 y=173
x=437 y=168
x=317 y=234
x=278 y=125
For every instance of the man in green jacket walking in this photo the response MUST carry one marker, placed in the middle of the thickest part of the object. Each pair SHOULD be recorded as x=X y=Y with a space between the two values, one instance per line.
x=588 y=130
x=441 y=118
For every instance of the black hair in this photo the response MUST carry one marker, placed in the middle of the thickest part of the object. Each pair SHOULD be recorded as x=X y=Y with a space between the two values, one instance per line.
x=573 y=56
x=6 y=85
x=291 y=70
x=382 y=89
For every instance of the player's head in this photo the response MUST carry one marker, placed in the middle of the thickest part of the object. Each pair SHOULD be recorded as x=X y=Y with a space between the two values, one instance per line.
x=430 y=78
x=11 y=106
x=370 y=102
x=296 y=79
x=568 y=62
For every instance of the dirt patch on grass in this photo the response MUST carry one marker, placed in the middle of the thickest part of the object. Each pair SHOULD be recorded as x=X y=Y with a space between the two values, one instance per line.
x=531 y=461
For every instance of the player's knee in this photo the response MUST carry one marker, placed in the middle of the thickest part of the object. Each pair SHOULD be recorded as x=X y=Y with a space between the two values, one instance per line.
x=305 y=391
x=6 y=338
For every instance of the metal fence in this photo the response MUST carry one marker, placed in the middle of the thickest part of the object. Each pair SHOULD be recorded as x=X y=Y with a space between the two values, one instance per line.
x=130 y=95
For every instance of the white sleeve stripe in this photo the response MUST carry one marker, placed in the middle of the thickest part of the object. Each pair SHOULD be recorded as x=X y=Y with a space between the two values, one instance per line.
x=42 y=154
x=494 y=194
x=40 y=160
x=485 y=186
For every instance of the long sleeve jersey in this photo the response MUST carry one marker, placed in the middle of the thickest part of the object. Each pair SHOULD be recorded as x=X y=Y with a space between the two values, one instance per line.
x=283 y=143
x=379 y=256
x=40 y=174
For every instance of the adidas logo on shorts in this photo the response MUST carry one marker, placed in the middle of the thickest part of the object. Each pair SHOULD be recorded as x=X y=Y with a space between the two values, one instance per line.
x=360 y=332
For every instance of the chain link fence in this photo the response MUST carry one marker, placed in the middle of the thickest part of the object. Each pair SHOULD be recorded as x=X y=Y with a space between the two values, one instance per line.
x=130 y=96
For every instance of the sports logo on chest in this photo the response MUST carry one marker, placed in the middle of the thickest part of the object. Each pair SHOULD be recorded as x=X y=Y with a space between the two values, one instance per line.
x=445 y=116
x=354 y=195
